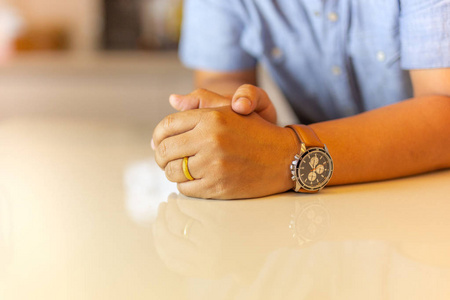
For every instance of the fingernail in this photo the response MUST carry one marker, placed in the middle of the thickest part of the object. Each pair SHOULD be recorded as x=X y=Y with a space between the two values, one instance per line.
x=174 y=98
x=153 y=144
x=244 y=103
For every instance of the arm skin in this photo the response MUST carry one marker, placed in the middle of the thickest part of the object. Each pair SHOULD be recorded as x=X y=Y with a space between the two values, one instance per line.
x=402 y=139
x=224 y=83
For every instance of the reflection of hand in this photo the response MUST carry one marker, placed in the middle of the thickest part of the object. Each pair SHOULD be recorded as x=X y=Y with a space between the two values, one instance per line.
x=230 y=155
x=221 y=237
x=247 y=99
x=5 y=232
x=193 y=254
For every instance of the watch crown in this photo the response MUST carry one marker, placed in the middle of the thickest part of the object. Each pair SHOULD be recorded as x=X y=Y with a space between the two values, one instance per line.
x=293 y=178
x=297 y=156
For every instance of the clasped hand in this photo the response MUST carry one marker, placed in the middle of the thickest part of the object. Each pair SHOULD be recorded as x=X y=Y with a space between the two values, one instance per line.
x=234 y=149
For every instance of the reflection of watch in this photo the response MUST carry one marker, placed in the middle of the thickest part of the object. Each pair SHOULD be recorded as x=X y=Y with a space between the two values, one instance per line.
x=310 y=221
x=312 y=168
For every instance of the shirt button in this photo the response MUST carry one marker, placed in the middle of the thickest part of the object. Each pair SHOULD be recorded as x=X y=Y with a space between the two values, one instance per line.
x=381 y=56
x=317 y=13
x=333 y=17
x=336 y=70
x=276 y=53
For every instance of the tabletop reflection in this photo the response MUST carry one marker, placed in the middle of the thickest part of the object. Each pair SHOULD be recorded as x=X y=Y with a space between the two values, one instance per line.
x=5 y=230
x=308 y=247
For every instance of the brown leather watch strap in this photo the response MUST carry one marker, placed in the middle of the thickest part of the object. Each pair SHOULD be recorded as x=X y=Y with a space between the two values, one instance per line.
x=307 y=135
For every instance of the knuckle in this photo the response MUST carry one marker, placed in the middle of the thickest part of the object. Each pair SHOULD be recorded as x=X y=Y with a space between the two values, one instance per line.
x=185 y=191
x=162 y=150
x=217 y=117
x=160 y=162
x=248 y=86
x=170 y=171
x=216 y=143
x=200 y=91
x=220 y=164
x=168 y=121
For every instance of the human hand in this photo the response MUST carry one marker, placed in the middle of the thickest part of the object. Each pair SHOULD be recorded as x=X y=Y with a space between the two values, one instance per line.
x=230 y=156
x=247 y=99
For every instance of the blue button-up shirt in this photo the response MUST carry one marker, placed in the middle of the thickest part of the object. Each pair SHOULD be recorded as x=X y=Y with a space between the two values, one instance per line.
x=331 y=59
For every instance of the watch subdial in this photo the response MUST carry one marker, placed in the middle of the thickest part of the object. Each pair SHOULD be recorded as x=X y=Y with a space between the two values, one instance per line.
x=314 y=161
x=320 y=169
x=312 y=176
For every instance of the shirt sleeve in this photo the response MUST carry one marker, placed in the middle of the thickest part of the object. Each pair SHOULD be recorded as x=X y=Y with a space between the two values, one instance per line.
x=211 y=35
x=425 y=34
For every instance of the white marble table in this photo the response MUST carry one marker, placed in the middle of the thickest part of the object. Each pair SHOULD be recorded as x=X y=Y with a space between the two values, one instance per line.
x=86 y=214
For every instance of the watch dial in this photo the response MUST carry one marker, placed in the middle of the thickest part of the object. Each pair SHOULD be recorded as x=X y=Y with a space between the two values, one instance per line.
x=315 y=169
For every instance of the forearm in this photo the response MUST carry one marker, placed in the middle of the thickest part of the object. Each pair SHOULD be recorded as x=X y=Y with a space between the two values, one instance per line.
x=224 y=83
x=225 y=88
x=403 y=139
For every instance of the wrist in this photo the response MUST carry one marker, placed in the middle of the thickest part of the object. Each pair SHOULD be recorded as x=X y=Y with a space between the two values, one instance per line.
x=312 y=166
x=292 y=148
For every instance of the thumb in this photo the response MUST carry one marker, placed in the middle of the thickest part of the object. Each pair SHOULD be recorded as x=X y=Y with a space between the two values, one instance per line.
x=249 y=98
x=199 y=98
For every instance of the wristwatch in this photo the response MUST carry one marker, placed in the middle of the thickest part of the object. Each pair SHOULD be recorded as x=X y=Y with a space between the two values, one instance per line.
x=313 y=166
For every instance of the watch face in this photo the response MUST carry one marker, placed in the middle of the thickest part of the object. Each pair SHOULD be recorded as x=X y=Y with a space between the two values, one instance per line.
x=314 y=169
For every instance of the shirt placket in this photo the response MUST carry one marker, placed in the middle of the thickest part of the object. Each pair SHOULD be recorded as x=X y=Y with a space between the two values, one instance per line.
x=337 y=67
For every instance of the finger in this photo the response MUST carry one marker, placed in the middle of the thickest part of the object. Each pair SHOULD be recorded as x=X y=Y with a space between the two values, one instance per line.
x=174 y=169
x=175 y=124
x=200 y=98
x=197 y=189
x=152 y=143
x=177 y=147
x=183 y=102
x=249 y=98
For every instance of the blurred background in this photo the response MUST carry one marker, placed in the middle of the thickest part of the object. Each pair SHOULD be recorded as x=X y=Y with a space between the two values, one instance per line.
x=93 y=59
x=92 y=25
x=101 y=59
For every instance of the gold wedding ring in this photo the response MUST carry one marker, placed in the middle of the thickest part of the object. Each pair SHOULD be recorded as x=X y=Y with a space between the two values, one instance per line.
x=186 y=169
x=186 y=228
